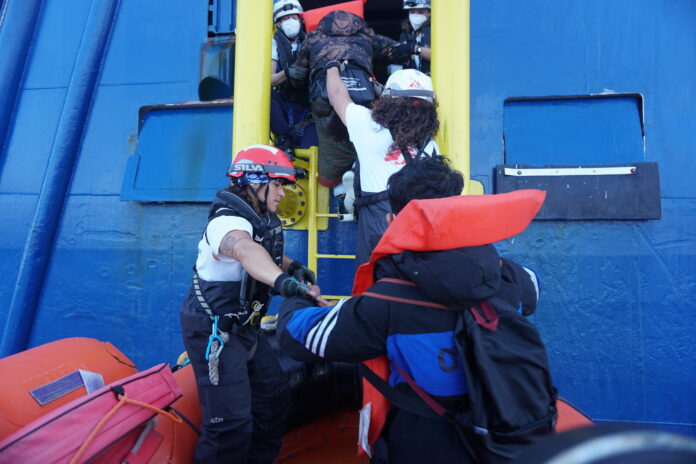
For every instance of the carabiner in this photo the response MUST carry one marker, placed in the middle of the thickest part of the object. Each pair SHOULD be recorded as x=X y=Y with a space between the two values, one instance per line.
x=214 y=336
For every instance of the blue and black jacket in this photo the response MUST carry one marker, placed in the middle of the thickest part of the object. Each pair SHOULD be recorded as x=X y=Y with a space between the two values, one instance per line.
x=420 y=340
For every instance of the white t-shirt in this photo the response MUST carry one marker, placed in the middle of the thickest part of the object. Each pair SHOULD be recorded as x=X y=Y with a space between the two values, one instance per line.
x=372 y=142
x=211 y=265
x=274 y=48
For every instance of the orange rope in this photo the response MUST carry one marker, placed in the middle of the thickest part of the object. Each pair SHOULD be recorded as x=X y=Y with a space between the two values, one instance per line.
x=123 y=399
x=152 y=408
x=96 y=429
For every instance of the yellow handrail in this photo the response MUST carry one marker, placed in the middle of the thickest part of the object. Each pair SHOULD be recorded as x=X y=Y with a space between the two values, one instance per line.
x=312 y=227
x=312 y=233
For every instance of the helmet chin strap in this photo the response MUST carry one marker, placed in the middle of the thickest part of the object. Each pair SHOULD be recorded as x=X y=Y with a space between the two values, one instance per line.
x=263 y=205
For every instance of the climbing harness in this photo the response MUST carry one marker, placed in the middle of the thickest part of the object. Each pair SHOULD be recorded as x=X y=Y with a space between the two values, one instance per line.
x=220 y=330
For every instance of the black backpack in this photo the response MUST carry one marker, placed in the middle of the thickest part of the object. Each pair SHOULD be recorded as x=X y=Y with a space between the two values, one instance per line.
x=357 y=80
x=512 y=399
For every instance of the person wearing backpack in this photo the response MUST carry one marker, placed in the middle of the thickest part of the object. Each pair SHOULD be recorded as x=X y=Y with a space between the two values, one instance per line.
x=343 y=36
x=398 y=129
x=412 y=313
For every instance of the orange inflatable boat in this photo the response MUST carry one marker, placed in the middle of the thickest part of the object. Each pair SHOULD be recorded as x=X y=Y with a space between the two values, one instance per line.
x=37 y=381
x=60 y=374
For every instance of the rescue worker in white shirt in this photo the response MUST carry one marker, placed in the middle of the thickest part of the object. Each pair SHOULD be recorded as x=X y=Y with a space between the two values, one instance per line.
x=402 y=122
x=414 y=46
x=291 y=117
x=242 y=390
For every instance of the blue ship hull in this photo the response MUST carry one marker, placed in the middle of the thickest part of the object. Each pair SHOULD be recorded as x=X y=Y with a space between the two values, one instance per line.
x=618 y=303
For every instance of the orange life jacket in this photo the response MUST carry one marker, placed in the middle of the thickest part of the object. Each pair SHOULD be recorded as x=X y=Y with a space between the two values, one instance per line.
x=312 y=17
x=431 y=225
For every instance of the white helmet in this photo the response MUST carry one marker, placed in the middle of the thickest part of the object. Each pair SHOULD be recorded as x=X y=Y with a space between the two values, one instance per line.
x=409 y=83
x=413 y=4
x=286 y=7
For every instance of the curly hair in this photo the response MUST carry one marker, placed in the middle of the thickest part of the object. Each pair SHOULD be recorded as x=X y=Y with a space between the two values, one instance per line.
x=424 y=178
x=411 y=121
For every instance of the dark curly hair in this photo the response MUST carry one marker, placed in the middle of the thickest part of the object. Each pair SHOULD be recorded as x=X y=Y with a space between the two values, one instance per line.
x=411 y=121
x=424 y=178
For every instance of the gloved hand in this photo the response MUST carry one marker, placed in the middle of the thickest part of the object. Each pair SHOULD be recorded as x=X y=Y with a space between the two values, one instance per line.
x=402 y=51
x=302 y=273
x=288 y=286
x=297 y=73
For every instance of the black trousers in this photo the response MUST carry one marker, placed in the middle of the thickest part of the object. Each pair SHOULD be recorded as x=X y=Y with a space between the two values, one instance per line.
x=372 y=222
x=244 y=417
x=412 y=439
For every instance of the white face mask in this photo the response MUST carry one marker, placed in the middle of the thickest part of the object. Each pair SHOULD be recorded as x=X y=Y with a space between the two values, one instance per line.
x=417 y=20
x=290 y=27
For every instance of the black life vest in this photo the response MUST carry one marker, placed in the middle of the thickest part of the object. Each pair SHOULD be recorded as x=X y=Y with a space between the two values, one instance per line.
x=287 y=58
x=227 y=297
x=424 y=65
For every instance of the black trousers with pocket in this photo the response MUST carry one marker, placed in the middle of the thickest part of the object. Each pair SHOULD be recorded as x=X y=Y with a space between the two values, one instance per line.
x=244 y=417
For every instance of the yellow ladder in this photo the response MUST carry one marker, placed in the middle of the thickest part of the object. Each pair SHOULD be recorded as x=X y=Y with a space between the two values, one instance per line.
x=311 y=167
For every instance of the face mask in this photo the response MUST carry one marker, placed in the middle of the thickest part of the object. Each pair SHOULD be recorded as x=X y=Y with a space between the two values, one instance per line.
x=290 y=27
x=417 y=20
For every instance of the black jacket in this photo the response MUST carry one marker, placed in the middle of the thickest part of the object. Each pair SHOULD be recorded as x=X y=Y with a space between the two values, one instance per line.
x=291 y=93
x=341 y=35
x=419 y=340
x=409 y=34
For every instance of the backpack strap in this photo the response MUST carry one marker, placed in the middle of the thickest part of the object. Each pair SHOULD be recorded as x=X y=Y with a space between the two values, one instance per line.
x=483 y=313
x=430 y=408
x=429 y=400
x=420 y=151
x=407 y=155
x=426 y=406
x=407 y=291
x=485 y=316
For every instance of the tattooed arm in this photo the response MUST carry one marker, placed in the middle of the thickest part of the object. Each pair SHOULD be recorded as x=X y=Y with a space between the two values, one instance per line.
x=237 y=244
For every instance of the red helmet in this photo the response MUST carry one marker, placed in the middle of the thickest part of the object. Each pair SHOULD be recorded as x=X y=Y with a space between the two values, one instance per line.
x=262 y=159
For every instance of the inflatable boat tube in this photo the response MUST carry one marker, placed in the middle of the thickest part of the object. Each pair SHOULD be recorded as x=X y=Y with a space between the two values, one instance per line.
x=113 y=424
x=39 y=380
